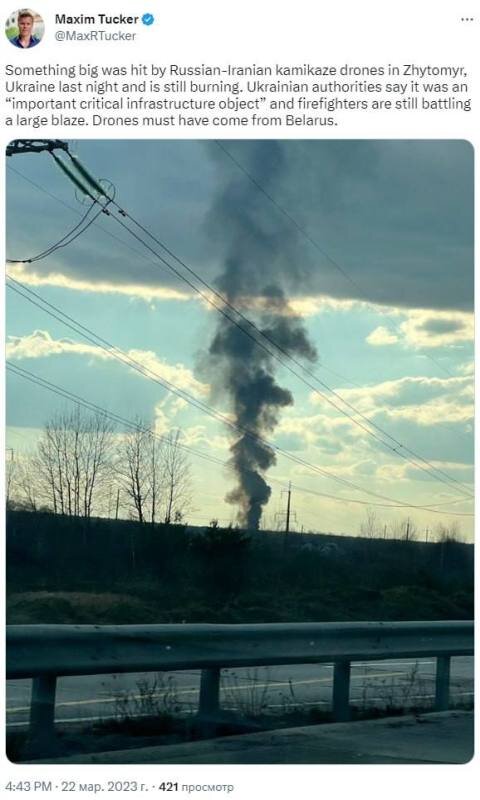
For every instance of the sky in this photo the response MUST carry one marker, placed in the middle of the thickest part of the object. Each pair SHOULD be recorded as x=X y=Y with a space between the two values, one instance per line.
x=371 y=244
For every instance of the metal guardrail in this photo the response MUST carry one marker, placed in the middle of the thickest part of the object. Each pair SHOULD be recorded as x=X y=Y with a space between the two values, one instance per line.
x=45 y=652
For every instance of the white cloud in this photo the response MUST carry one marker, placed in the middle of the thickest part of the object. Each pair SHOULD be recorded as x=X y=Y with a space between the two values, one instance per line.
x=381 y=336
x=310 y=306
x=161 y=423
x=142 y=291
x=329 y=435
x=200 y=434
x=307 y=306
x=433 y=413
x=165 y=411
x=420 y=328
x=40 y=344
x=467 y=369
x=395 y=472
x=426 y=329
x=426 y=401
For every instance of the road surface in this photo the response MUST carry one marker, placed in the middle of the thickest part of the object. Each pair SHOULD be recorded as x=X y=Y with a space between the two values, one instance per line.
x=279 y=689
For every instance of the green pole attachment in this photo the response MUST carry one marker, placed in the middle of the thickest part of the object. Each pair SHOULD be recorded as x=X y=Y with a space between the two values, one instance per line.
x=68 y=172
x=89 y=178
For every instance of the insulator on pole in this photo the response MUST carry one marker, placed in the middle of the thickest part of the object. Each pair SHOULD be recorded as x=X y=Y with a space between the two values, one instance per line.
x=89 y=178
x=63 y=166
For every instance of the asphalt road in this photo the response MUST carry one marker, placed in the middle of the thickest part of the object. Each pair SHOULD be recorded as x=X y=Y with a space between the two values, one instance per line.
x=94 y=697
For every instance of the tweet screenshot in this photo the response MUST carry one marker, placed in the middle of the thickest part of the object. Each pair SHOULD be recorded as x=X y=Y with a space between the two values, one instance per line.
x=239 y=389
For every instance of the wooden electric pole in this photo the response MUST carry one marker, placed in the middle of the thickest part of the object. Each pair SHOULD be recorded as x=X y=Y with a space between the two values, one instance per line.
x=289 y=498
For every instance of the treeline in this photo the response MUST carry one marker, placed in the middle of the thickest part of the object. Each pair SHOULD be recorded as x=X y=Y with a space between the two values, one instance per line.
x=178 y=573
x=83 y=467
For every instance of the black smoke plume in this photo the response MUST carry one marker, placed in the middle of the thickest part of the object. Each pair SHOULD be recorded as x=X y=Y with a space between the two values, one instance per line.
x=259 y=265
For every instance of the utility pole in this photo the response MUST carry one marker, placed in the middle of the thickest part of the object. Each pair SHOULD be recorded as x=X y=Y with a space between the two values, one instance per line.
x=407 y=537
x=118 y=503
x=289 y=498
x=35 y=146
x=288 y=514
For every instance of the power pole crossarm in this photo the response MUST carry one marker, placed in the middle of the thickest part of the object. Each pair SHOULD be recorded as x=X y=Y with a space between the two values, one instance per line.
x=35 y=146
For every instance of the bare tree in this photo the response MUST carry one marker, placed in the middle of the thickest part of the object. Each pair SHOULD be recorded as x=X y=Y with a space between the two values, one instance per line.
x=75 y=470
x=131 y=469
x=449 y=533
x=409 y=530
x=405 y=530
x=73 y=461
x=11 y=470
x=94 y=461
x=370 y=528
x=139 y=468
x=176 y=479
x=49 y=473
x=24 y=487
x=155 y=481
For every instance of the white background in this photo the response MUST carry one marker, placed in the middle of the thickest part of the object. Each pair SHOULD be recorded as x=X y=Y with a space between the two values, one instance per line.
x=263 y=31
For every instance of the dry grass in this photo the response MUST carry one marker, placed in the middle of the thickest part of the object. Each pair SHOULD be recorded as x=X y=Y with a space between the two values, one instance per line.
x=76 y=607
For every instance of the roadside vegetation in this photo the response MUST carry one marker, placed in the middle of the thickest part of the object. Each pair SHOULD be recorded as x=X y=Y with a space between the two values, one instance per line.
x=63 y=569
x=154 y=714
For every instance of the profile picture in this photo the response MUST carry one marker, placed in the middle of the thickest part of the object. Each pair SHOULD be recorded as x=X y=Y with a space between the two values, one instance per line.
x=24 y=28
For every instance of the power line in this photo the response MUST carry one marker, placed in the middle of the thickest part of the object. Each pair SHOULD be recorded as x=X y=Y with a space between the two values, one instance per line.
x=124 y=358
x=57 y=199
x=314 y=242
x=429 y=507
x=106 y=346
x=66 y=240
x=91 y=406
x=115 y=417
x=428 y=467
x=439 y=474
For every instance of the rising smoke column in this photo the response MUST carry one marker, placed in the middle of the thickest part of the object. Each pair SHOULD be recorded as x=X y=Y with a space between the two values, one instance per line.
x=259 y=262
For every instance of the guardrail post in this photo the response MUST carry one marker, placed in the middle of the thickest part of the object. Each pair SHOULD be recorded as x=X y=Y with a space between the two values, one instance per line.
x=341 y=691
x=42 y=709
x=442 y=683
x=209 y=701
